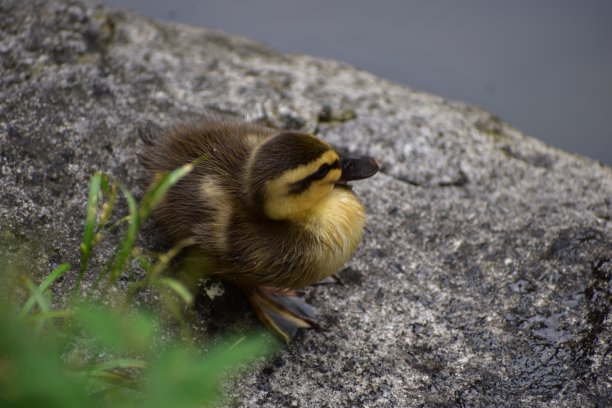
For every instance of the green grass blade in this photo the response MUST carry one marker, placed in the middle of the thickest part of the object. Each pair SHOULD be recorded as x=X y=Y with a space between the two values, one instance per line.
x=43 y=303
x=120 y=363
x=144 y=262
x=243 y=350
x=33 y=371
x=110 y=190
x=125 y=250
x=38 y=296
x=187 y=379
x=157 y=191
x=90 y=220
x=117 y=224
x=179 y=289
x=172 y=306
x=44 y=285
x=90 y=226
x=121 y=330
x=138 y=213
x=165 y=258
x=53 y=314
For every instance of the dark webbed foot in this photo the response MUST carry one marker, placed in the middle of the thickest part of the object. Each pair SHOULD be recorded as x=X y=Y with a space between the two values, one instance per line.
x=283 y=311
x=334 y=279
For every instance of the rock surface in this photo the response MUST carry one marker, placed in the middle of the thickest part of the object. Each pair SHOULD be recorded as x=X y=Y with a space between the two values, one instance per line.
x=484 y=277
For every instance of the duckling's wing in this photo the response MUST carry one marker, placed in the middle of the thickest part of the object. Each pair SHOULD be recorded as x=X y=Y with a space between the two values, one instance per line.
x=281 y=310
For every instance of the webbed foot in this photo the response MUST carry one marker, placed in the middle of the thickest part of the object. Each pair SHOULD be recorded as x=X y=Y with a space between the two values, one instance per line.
x=284 y=311
x=334 y=279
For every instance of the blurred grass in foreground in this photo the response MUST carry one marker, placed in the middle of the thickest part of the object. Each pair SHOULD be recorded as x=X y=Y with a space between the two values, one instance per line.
x=89 y=355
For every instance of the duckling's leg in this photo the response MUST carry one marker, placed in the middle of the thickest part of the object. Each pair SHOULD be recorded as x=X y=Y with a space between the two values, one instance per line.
x=283 y=311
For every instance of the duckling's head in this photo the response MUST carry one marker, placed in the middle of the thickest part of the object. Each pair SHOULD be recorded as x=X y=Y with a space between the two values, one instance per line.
x=290 y=174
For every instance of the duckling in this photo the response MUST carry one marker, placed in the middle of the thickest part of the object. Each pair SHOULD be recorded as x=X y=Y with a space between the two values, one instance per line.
x=271 y=209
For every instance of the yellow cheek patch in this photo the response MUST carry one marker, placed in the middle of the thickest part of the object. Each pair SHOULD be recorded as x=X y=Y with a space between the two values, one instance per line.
x=297 y=206
x=333 y=175
x=280 y=204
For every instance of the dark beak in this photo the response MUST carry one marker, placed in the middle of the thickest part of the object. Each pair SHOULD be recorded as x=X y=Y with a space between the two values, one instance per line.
x=357 y=168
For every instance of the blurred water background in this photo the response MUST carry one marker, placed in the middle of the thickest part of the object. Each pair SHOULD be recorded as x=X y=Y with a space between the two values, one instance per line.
x=543 y=66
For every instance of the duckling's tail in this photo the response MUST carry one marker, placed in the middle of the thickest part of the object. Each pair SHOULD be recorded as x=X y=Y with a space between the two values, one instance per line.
x=149 y=132
x=283 y=311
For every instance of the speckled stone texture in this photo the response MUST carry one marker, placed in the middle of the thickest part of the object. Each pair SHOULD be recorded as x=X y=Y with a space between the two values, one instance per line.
x=484 y=277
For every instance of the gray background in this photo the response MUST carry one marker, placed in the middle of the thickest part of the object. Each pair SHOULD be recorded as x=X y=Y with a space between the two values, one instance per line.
x=543 y=66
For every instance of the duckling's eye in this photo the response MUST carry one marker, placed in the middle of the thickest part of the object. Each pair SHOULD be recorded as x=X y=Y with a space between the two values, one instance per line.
x=322 y=172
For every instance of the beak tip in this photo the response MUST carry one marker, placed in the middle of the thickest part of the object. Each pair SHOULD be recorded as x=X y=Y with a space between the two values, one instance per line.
x=375 y=163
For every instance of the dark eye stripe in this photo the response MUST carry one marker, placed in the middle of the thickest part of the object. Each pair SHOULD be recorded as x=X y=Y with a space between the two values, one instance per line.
x=303 y=185
x=323 y=170
x=321 y=173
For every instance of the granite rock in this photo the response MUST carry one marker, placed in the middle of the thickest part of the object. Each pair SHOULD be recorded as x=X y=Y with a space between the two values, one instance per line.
x=484 y=276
